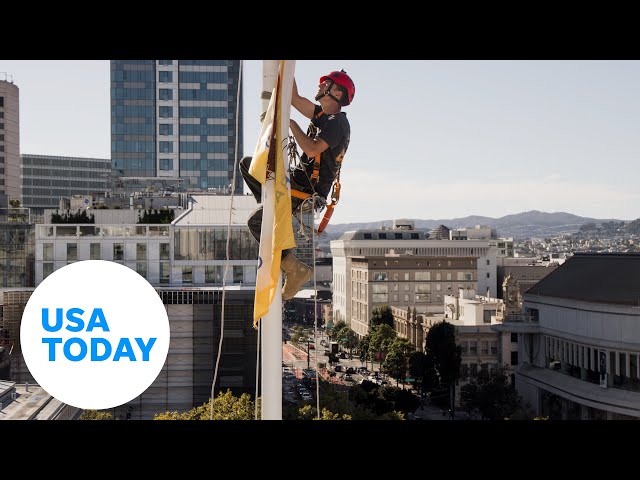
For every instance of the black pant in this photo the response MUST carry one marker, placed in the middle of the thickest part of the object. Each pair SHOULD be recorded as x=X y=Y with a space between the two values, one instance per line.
x=255 y=219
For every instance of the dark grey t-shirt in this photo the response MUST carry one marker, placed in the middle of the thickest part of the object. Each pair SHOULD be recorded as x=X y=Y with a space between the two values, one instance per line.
x=335 y=130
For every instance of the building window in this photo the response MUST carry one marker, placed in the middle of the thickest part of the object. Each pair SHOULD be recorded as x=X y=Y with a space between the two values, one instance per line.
x=514 y=337
x=72 y=252
x=141 y=251
x=141 y=268
x=488 y=262
x=514 y=358
x=213 y=274
x=380 y=276
x=484 y=347
x=165 y=272
x=382 y=236
x=165 y=62
x=473 y=348
x=474 y=369
x=118 y=251
x=166 y=129
x=166 y=164
x=94 y=251
x=1 y=101
x=165 y=77
x=488 y=275
x=238 y=274
x=47 y=252
x=406 y=298
x=166 y=147
x=165 y=94
x=422 y=276
x=47 y=269
x=165 y=112
x=187 y=275
x=164 y=251
x=380 y=293
x=494 y=348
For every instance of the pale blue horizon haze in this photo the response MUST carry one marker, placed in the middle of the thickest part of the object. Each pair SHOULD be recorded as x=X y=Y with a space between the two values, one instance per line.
x=429 y=139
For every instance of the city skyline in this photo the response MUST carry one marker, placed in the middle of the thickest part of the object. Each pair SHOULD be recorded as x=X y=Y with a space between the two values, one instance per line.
x=488 y=138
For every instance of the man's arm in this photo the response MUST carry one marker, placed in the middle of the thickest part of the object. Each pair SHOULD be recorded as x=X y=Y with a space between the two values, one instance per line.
x=303 y=105
x=310 y=146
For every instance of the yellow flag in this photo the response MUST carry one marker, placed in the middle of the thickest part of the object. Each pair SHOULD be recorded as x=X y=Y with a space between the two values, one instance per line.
x=269 y=168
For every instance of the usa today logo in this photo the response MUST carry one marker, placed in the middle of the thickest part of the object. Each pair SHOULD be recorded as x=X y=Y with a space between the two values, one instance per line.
x=95 y=334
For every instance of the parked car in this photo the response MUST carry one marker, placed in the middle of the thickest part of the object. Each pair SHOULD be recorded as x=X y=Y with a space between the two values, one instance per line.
x=350 y=370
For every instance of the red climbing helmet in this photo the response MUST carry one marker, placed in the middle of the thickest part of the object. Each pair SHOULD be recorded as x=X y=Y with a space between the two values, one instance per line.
x=341 y=78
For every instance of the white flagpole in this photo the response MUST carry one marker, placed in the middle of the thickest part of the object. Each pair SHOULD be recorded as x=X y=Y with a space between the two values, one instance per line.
x=271 y=408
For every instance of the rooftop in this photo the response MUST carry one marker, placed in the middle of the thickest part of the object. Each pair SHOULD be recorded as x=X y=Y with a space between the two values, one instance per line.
x=609 y=278
x=214 y=210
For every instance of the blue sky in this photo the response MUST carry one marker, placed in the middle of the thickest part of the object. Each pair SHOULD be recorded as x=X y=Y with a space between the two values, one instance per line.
x=429 y=139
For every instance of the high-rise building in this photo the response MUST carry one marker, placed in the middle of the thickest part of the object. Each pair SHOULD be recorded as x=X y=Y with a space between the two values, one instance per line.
x=45 y=179
x=176 y=119
x=9 y=140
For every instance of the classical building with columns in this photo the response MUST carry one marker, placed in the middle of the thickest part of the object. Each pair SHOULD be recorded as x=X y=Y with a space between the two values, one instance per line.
x=579 y=339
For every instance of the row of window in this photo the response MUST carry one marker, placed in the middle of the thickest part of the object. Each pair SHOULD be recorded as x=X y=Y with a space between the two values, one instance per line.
x=211 y=244
x=142 y=93
x=122 y=111
x=133 y=146
x=133 y=76
x=212 y=274
x=470 y=347
x=95 y=251
x=121 y=128
x=471 y=370
x=620 y=363
x=421 y=276
x=383 y=297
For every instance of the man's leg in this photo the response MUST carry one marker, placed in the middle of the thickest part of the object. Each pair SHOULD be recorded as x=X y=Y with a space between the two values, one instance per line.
x=253 y=184
x=255 y=223
x=297 y=272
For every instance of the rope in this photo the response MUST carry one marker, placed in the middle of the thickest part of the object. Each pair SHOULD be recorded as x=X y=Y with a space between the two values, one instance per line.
x=226 y=265
x=315 y=301
x=257 y=368
x=315 y=313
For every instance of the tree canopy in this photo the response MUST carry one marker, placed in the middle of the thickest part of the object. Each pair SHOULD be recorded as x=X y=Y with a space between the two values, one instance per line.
x=226 y=407
x=382 y=316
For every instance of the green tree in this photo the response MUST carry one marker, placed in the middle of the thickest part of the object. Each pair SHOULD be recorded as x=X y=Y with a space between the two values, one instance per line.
x=382 y=316
x=381 y=337
x=333 y=331
x=310 y=413
x=363 y=348
x=491 y=396
x=396 y=362
x=226 y=407
x=347 y=338
x=445 y=355
x=96 y=415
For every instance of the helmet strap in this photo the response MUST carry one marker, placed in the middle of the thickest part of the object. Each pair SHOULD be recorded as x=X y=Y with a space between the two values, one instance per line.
x=328 y=93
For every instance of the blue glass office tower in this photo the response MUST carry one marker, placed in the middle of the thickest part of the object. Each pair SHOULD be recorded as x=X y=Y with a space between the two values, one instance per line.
x=176 y=119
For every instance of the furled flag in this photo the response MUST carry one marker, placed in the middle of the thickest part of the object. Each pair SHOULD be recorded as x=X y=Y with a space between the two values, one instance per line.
x=269 y=168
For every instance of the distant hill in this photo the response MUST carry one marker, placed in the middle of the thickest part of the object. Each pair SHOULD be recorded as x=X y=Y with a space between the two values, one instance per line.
x=532 y=224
